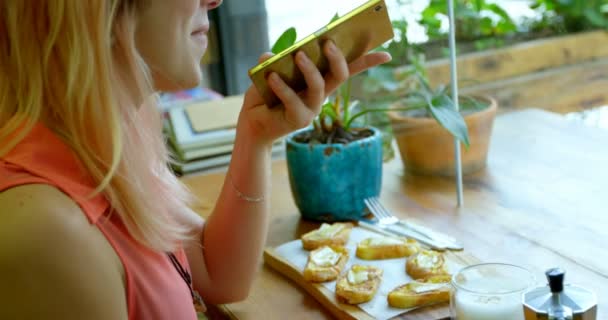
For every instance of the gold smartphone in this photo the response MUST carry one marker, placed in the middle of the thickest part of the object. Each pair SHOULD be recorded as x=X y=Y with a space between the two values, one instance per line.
x=355 y=33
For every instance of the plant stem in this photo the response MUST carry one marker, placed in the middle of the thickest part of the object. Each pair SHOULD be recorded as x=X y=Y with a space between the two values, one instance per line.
x=337 y=109
x=349 y=122
x=346 y=98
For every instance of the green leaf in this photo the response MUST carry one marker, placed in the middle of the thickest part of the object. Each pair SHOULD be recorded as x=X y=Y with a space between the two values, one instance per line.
x=424 y=83
x=596 y=18
x=443 y=111
x=399 y=24
x=537 y=4
x=505 y=27
x=485 y=25
x=431 y=22
x=328 y=110
x=335 y=17
x=373 y=110
x=414 y=101
x=499 y=11
x=286 y=40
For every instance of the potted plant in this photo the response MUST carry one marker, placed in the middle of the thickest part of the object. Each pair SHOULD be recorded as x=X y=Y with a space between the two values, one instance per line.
x=337 y=162
x=417 y=119
x=334 y=165
x=420 y=115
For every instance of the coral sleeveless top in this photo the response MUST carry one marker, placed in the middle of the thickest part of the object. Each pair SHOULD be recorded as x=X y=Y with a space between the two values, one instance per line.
x=154 y=288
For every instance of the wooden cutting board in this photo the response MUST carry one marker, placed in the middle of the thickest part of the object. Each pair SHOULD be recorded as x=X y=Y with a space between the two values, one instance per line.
x=349 y=312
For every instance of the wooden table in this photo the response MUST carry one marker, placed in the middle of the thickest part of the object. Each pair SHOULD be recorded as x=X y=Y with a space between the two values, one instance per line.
x=541 y=202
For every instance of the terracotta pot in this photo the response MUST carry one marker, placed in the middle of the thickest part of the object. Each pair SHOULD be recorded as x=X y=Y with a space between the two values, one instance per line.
x=427 y=148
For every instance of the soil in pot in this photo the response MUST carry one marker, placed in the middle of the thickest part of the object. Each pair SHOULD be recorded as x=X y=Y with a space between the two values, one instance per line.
x=337 y=134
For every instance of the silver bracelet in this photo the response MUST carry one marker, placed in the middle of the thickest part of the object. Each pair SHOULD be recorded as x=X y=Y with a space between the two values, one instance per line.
x=242 y=195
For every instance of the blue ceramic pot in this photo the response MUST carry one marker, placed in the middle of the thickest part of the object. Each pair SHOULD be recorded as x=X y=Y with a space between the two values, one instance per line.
x=330 y=181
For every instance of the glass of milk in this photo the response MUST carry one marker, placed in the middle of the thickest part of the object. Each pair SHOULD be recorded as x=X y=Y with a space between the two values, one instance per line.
x=490 y=291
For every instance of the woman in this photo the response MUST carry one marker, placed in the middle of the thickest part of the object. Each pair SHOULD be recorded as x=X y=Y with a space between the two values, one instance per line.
x=92 y=223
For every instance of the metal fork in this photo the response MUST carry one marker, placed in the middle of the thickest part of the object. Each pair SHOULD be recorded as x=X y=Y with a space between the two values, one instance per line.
x=387 y=221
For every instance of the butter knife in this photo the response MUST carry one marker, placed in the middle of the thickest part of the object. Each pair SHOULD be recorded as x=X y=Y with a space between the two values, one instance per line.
x=430 y=233
x=393 y=230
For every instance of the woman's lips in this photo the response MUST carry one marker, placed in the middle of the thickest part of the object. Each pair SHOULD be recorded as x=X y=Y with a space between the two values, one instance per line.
x=200 y=38
x=199 y=35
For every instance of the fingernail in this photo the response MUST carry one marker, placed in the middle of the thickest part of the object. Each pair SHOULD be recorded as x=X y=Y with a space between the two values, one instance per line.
x=331 y=47
x=301 y=57
x=273 y=77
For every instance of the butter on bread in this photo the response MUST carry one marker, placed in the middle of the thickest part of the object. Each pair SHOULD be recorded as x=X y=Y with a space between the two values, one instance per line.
x=325 y=264
x=359 y=284
x=426 y=263
x=386 y=248
x=336 y=234
x=435 y=289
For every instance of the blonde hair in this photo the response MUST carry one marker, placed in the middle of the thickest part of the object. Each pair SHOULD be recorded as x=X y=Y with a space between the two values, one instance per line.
x=59 y=65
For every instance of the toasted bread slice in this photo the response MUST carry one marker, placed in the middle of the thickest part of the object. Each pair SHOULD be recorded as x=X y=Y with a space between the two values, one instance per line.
x=419 y=293
x=359 y=284
x=327 y=235
x=386 y=248
x=426 y=263
x=325 y=264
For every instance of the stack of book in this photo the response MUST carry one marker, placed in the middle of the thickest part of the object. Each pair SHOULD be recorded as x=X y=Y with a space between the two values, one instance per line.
x=201 y=134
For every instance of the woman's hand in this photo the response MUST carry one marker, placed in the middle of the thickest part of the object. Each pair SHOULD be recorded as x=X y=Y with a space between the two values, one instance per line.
x=265 y=125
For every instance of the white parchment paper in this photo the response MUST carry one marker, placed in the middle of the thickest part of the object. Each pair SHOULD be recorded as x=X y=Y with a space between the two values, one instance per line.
x=394 y=272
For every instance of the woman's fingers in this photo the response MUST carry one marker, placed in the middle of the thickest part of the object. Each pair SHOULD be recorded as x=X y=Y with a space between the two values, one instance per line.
x=296 y=113
x=265 y=56
x=340 y=70
x=252 y=96
x=282 y=90
x=315 y=93
x=300 y=109
x=338 y=67
x=367 y=61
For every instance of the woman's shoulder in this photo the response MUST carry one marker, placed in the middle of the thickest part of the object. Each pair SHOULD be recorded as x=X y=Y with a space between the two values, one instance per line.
x=46 y=239
x=40 y=206
x=41 y=213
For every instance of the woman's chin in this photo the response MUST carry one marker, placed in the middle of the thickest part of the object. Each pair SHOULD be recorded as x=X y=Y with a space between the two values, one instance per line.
x=181 y=83
x=190 y=83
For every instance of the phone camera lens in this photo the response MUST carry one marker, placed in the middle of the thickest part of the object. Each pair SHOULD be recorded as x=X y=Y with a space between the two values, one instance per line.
x=378 y=8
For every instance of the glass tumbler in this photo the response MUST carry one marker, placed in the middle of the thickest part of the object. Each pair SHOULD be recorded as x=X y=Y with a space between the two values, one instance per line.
x=490 y=291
